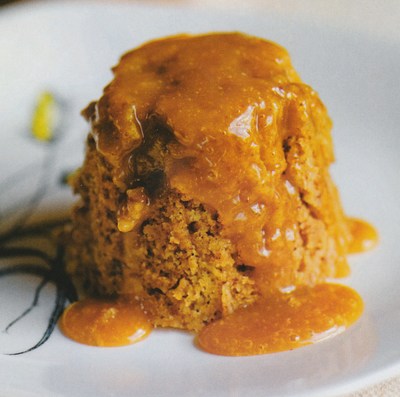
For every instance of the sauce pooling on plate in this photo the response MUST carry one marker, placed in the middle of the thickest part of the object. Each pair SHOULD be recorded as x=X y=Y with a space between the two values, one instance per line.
x=278 y=322
x=98 y=322
x=283 y=321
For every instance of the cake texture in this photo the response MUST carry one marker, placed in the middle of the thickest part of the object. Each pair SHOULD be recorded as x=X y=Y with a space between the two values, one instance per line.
x=206 y=181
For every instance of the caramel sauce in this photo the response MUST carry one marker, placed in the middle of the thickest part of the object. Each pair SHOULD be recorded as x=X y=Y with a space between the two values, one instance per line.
x=364 y=236
x=105 y=322
x=239 y=122
x=283 y=321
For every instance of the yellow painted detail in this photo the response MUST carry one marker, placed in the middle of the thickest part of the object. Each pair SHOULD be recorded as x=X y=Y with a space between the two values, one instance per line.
x=44 y=116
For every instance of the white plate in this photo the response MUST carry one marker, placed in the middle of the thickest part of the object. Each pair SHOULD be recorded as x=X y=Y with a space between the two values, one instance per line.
x=69 y=48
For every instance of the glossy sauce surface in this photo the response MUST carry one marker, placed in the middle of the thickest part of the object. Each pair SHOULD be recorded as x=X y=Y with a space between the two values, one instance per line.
x=284 y=321
x=231 y=119
x=105 y=322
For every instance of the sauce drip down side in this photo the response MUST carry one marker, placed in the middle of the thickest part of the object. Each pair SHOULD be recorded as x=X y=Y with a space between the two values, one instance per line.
x=250 y=140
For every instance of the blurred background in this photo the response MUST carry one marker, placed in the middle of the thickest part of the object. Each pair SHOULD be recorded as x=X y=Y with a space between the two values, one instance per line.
x=381 y=18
